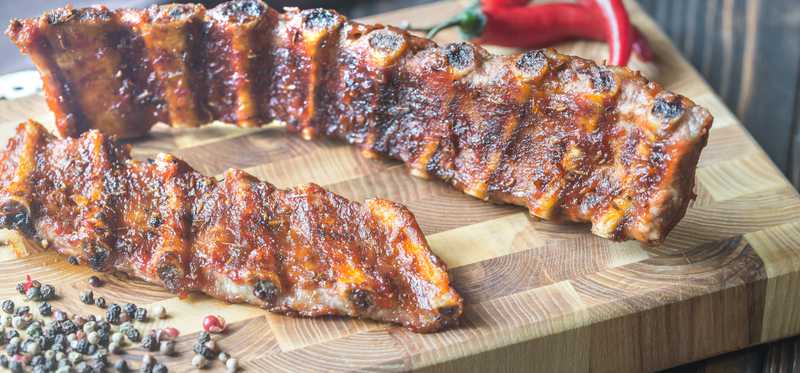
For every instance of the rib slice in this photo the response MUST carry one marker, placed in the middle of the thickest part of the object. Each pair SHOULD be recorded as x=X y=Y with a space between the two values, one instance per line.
x=568 y=139
x=302 y=251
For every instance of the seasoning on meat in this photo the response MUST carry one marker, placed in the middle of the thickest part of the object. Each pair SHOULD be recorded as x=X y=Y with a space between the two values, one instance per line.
x=320 y=253
x=568 y=139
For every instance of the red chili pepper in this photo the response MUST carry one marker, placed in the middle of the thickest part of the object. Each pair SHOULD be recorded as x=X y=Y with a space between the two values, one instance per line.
x=540 y=25
x=504 y=3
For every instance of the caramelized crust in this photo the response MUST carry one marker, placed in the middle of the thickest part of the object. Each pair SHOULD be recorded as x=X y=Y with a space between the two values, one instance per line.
x=569 y=139
x=301 y=251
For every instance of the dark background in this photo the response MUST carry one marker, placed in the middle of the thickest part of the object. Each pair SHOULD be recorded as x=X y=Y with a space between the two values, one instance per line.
x=747 y=50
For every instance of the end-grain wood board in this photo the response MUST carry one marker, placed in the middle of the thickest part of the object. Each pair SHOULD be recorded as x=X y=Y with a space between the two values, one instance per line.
x=539 y=296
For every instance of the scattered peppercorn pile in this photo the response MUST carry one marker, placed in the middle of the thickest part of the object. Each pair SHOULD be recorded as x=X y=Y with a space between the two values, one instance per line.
x=55 y=342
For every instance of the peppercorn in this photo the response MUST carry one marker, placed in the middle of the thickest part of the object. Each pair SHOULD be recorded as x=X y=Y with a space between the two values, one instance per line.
x=50 y=365
x=100 y=302
x=4 y=361
x=33 y=294
x=160 y=368
x=48 y=292
x=232 y=365
x=73 y=260
x=202 y=349
x=45 y=309
x=199 y=362
x=130 y=308
x=59 y=315
x=133 y=335
x=101 y=355
x=103 y=326
x=11 y=333
x=22 y=311
x=93 y=338
x=141 y=314
x=203 y=337
x=159 y=311
x=82 y=346
x=37 y=360
x=121 y=366
x=8 y=306
x=87 y=297
x=148 y=361
x=34 y=330
x=13 y=348
x=83 y=368
x=21 y=288
x=149 y=343
x=167 y=347
x=69 y=327
x=103 y=338
x=95 y=281
x=115 y=348
x=113 y=313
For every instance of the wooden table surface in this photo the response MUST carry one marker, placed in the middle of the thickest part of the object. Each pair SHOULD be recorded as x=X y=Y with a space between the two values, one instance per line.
x=540 y=296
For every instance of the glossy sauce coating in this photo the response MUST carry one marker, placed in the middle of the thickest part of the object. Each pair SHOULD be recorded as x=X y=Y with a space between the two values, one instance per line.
x=302 y=251
x=568 y=139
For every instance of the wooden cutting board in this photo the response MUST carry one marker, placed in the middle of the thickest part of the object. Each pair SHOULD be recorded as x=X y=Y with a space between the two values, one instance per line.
x=539 y=296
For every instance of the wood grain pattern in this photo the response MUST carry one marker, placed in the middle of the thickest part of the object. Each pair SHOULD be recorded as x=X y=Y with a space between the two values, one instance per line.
x=540 y=296
x=748 y=52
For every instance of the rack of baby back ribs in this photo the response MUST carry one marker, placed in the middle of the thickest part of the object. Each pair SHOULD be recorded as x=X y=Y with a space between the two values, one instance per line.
x=569 y=139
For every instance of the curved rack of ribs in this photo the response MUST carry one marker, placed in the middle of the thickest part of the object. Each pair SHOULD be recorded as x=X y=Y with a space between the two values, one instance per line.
x=568 y=139
x=302 y=251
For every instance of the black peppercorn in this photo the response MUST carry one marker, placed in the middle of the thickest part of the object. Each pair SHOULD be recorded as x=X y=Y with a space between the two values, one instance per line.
x=100 y=302
x=68 y=327
x=82 y=346
x=45 y=309
x=73 y=260
x=13 y=349
x=8 y=306
x=133 y=335
x=11 y=333
x=160 y=368
x=103 y=326
x=130 y=308
x=37 y=360
x=113 y=313
x=121 y=366
x=149 y=343
x=4 y=361
x=48 y=292
x=95 y=281
x=202 y=349
x=83 y=368
x=141 y=315
x=203 y=337
x=87 y=297
x=22 y=311
x=21 y=288
x=102 y=338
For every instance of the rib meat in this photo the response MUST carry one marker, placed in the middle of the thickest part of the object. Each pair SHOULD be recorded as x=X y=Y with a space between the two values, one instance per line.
x=567 y=138
x=301 y=251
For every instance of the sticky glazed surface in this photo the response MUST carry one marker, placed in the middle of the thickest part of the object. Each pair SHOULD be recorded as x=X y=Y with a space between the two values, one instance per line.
x=568 y=139
x=302 y=251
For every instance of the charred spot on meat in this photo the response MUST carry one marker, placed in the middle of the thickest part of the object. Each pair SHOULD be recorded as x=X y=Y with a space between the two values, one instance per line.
x=238 y=239
x=491 y=126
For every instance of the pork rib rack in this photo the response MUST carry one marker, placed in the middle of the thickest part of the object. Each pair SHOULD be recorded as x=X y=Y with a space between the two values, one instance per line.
x=568 y=139
x=301 y=251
